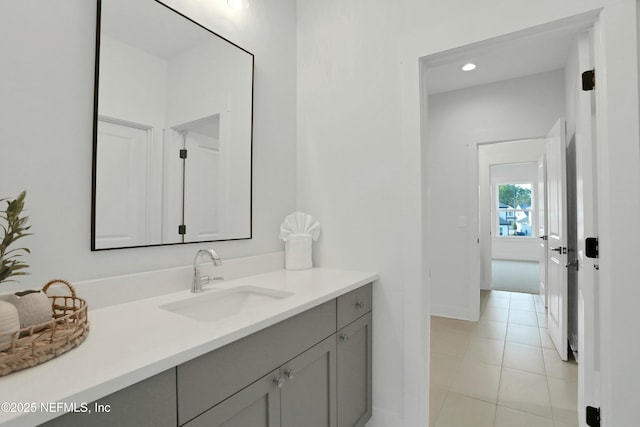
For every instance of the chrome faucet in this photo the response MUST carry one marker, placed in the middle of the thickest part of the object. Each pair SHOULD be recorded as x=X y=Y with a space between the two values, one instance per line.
x=196 y=285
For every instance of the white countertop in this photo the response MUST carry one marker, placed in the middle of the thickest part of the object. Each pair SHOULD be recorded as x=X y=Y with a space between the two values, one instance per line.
x=136 y=340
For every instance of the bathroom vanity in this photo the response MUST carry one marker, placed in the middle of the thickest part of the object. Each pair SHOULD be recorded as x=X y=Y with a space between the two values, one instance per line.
x=299 y=360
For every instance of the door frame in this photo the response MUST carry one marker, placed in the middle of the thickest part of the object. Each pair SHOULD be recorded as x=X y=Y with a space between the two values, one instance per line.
x=480 y=240
x=592 y=20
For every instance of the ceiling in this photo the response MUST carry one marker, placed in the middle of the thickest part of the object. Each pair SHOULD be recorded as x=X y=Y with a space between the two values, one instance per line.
x=529 y=52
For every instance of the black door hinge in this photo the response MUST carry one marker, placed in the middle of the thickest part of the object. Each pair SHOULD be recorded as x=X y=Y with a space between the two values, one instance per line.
x=183 y=153
x=593 y=416
x=591 y=247
x=182 y=229
x=589 y=80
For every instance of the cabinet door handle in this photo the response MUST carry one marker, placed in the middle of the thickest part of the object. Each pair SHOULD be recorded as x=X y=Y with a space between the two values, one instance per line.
x=278 y=382
x=289 y=373
x=344 y=337
x=359 y=304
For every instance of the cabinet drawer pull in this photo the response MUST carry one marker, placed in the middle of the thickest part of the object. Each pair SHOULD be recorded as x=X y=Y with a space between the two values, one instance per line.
x=278 y=382
x=344 y=337
x=289 y=373
x=359 y=304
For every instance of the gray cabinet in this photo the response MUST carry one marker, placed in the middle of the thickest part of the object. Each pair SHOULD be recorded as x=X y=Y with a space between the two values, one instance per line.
x=209 y=379
x=301 y=392
x=311 y=370
x=257 y=405
x=308 y=394
x=151 y=402
x=354 y=373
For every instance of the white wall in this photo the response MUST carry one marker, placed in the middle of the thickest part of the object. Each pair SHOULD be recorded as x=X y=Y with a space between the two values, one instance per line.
x=351 y=173
x=459 y=121
x=46 y=124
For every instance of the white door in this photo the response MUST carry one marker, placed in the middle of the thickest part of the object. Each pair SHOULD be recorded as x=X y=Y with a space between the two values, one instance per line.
x=122 y=196
x=557 y=238
x=202 y=187
x=542 y=227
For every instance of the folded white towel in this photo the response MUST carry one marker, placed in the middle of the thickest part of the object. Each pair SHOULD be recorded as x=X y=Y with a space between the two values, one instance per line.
x=297 y=251
x=298 y=231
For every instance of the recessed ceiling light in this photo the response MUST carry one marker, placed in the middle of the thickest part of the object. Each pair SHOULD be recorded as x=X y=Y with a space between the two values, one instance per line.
x=468 y=67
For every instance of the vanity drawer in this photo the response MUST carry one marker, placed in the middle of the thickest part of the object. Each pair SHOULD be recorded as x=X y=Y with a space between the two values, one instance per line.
x=353 y=305
x=207 y=380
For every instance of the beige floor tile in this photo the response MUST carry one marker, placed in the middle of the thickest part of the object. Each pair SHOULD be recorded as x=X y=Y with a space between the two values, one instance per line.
x=477 y=380
x=450 y=343
x=507 y=417
x=564 y=400
x=441 y=324
x=525 y=391
x=542 y=319
x=442 y=370
x=485 y=350
x=545 y=339
x=495 y=314
x=523 y=334
x=523 y=357
x=519 y=296
x=498 y=302
x=522 y=317
x=522 y=305
x=561 y=424
x=556 y=368
x=500 y=294
x=462 y=411
x=490 y=329
x=437 y=396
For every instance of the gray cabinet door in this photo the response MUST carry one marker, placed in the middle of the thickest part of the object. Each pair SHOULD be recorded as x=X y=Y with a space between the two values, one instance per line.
x=308 y=395
x=354 y=373
x=209 y=379
x=151 y=402
x=257 y=405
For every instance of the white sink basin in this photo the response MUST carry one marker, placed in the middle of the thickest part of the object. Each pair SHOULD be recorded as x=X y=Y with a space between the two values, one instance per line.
x=217 y=305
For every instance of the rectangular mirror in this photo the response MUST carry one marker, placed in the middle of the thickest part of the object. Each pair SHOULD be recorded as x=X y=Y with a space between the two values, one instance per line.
x=172 y=147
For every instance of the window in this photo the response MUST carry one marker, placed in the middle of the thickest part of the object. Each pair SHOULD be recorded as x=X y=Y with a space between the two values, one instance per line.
x=515 y=210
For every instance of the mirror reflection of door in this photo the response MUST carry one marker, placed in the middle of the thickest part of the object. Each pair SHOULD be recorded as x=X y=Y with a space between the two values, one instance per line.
x=202 y=195
x=122 y=185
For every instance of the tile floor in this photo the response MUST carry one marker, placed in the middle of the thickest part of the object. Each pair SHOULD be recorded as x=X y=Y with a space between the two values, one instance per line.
x=501 y=371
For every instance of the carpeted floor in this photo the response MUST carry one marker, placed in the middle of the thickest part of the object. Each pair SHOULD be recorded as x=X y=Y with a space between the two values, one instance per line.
x=515 y=276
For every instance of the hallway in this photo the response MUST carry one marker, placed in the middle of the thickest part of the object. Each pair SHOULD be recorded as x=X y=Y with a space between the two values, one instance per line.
x=501 y=371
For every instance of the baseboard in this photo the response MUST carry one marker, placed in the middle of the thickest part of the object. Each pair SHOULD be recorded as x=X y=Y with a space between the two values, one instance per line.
x=453 y=312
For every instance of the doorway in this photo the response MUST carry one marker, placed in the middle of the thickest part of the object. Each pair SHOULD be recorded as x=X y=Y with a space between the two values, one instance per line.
x=459 y=121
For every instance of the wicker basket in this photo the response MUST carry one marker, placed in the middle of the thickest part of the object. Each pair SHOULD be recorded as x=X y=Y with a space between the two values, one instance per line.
x=39 y=343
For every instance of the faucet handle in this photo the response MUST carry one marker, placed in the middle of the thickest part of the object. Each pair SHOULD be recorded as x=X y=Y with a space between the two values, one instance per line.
x=206 y=279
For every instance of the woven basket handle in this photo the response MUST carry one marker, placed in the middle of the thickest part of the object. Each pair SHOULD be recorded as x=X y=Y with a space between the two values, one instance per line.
x=64 y=282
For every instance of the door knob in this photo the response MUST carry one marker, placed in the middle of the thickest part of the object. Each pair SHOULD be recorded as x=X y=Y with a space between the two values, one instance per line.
x=344 y=337
x=558 y=249
x=278 y=382
x=359 y=304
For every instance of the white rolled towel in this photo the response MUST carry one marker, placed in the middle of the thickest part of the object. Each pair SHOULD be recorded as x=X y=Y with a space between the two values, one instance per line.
x=298 y=231
x=297 y=252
